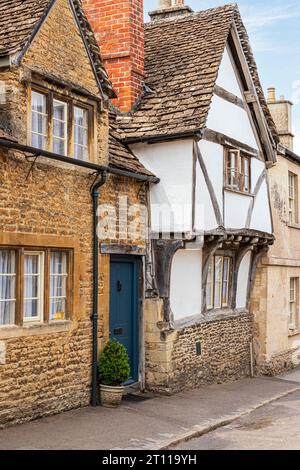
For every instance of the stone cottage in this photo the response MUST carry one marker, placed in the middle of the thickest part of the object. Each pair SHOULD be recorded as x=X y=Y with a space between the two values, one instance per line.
x=60 y=160
x=275 y=303
x=202 y=125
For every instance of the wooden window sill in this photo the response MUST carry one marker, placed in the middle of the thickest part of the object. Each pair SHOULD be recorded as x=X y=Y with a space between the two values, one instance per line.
x=15 y=331
x=236 y=191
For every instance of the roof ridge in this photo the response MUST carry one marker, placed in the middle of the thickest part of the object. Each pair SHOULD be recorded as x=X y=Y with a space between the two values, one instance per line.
x=195 y=14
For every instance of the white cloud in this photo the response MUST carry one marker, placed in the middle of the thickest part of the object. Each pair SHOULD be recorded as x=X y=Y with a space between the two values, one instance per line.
x=259 y=23
x=270 y=16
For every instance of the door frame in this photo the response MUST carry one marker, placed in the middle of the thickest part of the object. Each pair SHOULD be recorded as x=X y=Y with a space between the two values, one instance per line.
x=138 y=292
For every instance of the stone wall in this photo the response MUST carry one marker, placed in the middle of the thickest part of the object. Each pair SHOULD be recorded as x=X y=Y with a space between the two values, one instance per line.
x=276 y=345
x=45 y=368
x=172 y=363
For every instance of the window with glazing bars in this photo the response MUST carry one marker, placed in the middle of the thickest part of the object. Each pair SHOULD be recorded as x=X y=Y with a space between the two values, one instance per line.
x=35 y=286
x=218 y=282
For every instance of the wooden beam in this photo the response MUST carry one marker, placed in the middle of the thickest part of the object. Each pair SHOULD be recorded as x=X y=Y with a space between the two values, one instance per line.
x=230 y=97
x=222 y=139
x=259 y=183
x=249 y=97
x=209 y=184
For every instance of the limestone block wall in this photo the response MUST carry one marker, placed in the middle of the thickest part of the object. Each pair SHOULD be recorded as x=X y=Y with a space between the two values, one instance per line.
x=46 y=368
x=172 y=360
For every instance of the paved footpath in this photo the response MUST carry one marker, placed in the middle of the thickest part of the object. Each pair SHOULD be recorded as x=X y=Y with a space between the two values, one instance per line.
x=154 y=422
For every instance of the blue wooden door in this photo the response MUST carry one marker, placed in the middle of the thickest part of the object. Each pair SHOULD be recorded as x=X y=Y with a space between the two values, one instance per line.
x=124 y=307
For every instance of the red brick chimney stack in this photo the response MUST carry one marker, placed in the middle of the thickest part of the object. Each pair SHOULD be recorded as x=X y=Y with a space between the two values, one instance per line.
x=119 y=29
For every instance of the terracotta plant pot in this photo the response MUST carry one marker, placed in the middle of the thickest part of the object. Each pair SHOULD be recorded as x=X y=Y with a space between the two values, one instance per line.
x=111 y=397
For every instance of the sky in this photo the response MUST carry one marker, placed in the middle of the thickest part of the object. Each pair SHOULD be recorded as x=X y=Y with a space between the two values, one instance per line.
x=274 y=30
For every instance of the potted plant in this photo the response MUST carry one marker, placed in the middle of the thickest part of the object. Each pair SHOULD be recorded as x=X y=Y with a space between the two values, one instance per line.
x=114 y=370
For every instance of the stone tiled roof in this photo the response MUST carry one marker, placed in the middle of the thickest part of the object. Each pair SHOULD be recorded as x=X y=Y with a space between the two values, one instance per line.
x=120 y=156
x=19 y=20
x=183 y=56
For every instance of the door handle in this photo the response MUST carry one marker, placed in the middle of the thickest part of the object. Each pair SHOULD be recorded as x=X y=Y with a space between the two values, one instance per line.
x=119 y=286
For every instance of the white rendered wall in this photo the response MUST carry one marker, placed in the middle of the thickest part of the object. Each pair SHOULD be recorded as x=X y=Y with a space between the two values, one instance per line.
x=171 y=199
x=261 y=217
x=212 y=154
x=186 y=283
x=227 y=77
x=243 y=278
x=236 y=210
x=231 y=120
x=257 y=168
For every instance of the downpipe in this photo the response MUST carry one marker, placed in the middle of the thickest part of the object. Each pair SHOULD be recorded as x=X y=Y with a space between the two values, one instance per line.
x=95 y=314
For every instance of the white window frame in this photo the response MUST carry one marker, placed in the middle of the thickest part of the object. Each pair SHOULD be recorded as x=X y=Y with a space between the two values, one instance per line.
x=293 y=202
x=211 y=280
x=65 y=121
x=232 y=170
x=14 y=300
x=294 y=303
x=237 y=170
x=85 y=147
x=41 y=263
x=211 y=284
x=63 y=275
x=44 y=116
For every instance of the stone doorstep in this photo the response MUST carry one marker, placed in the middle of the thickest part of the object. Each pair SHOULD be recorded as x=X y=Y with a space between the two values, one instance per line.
x=212 y=425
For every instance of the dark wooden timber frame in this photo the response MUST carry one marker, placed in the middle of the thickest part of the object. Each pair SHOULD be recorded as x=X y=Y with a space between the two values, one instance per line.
x=251 y=95
x=235 y=244
x=164 y=251
x=230 y=97
x=224 y=140
x=257 y=188
x=214 y=200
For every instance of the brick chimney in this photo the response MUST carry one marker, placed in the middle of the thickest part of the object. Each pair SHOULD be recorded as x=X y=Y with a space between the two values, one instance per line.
x=281 y=111
x=169 y=8
x=119 y=30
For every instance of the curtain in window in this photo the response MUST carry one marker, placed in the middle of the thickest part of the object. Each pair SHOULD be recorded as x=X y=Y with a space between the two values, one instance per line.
x=80 y=133
x=7 y=287
x=58 y=285
x=38 y=120
x=59 y=127
x=31 y=286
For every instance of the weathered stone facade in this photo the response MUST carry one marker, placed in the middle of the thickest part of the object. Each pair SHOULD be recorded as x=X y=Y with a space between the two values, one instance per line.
x=276 y=341
x=45 y=368
x=175 y=362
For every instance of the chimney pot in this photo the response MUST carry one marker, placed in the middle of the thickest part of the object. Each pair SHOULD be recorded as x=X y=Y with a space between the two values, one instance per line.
x=271 y=95
x=281 y=111
x=170 y=8
x=164 y=4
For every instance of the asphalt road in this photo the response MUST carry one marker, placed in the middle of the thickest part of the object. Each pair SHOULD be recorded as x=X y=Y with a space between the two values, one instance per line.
x=273 y=427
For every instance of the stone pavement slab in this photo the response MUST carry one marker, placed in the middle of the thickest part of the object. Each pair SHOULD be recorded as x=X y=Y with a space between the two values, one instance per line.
x=153 y=423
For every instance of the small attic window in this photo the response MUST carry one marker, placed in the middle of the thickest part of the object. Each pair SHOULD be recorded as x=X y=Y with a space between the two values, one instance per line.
x=60 y=125
x=237 y=171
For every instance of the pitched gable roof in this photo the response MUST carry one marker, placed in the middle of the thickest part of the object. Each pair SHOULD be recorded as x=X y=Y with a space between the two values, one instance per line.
x=21 y=19
x=183 y=56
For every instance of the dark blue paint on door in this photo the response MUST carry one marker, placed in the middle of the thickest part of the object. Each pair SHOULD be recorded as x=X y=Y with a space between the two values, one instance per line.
x=124 y=307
